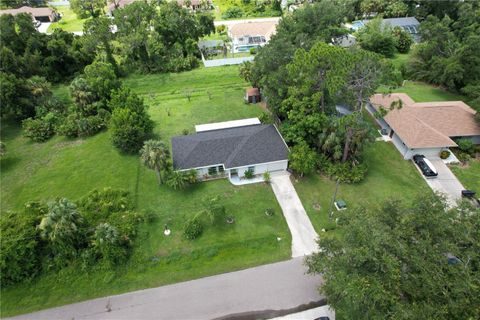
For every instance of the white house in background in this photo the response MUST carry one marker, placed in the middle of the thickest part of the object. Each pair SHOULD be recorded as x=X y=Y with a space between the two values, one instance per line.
x=425 y=128
x=229 y=149
x=251 y=34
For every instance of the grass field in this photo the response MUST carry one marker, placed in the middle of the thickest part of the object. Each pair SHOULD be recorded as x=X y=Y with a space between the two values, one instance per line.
x=423 y=92
x=389 y=176
x=68 y=22
x=71 y=168
x=469 y=175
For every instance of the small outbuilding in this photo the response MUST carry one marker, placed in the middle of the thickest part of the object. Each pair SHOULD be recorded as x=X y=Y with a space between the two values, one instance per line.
x=252 y=95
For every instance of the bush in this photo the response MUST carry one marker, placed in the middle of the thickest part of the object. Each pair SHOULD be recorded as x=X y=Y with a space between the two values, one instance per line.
x=68 y=126
x=302 y=158
x=444 y=154
x=403 y=40
x=464 y=157
x=193 y=229
x=345 y=172
x=108 y=244
x=266 y=177
x=97 y=206
x=466 y=145
x=233 y=12
x=181 y=179
x=269 y=212
x=130 y=129
x=249 y=174
x=89 y=126
x=38 y=130
x=253 y=51
x=221 y=29
x=214 y=210
x=20 y=247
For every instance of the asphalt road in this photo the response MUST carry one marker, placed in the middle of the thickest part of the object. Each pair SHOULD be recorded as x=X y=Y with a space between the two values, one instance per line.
x=273 y=287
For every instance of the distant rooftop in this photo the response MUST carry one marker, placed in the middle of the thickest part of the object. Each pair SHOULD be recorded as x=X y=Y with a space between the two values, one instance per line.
x=226 y=124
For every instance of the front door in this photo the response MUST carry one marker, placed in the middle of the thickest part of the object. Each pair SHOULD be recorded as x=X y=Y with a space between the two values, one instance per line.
x=391 y=133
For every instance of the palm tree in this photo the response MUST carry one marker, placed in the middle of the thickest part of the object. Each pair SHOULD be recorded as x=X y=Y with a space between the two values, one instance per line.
x=156 y=156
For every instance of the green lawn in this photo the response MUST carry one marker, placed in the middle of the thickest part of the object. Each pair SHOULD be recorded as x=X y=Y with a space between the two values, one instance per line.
x=71 y=168
x=469 y=175
x=389 y=176
x=68 y=22
x=423 y=92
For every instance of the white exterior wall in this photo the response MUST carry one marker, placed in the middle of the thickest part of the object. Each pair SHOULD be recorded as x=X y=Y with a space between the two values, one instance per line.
x=427 y=152
x=261 y=168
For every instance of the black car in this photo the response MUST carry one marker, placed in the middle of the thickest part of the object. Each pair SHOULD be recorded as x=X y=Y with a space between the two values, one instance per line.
x=425 y=166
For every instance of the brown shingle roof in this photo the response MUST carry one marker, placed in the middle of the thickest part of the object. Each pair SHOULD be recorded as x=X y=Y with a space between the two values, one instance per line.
x=36 y=12
x=428 y=124
x=253 y=92
x=264 y=28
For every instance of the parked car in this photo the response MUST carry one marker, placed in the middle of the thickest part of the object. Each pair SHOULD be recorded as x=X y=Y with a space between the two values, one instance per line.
x=425 y=166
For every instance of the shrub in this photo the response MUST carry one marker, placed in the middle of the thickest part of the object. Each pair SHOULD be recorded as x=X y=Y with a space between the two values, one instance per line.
x=38 y=130
x=98 y=205
x=108 y=244
x=221 y=28
x=20 y=246
x=444 y=154
x=266 y=118
x=302 y=158
x=253 y=51
x=466 y=145
x=403 y=40
x=214 y=210
x=249 y=174
x=88 y=126
x=233 y=12
x=193 y=229
x=464 y=157
x=130 y=129
x=269 y=212
x=345 y=172
x=266 y=177
x=180 y=179
x=68 y=126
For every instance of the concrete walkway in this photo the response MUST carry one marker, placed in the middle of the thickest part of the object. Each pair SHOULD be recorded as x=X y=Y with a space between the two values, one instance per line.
x=303 y=235
x=446 y=182
x=261 y=292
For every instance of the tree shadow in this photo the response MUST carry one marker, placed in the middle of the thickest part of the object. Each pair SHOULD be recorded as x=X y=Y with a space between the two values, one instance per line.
x=8 y=162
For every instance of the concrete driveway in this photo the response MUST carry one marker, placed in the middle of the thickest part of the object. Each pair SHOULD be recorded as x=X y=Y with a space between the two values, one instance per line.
x=446 y=182
x=304 y=236
x=261 y=292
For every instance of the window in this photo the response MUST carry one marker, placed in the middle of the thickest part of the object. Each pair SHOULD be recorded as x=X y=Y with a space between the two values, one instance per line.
x=252 y=169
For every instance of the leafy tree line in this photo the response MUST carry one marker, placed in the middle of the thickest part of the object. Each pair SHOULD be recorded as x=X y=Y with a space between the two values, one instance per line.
x=304 y=78
x=99 y=101
x=95 y=232
x=401 y=261
x=448 y=54
x=5 y=4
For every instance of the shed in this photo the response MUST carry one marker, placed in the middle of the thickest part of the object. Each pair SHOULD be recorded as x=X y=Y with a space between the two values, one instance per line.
x=252 y=95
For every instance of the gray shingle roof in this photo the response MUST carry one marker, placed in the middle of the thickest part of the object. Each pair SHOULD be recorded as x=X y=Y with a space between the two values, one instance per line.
x=232 y=147
x=400 y=22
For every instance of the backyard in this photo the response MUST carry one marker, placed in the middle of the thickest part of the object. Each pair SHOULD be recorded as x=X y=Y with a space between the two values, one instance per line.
x=68 y=22
x=71 y=168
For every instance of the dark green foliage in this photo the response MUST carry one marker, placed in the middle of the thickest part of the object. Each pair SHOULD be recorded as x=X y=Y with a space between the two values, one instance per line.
x=37 y=130
x=444 y=154
x=178 y=180
x=344 y=172
x=62 y=229
x=466 y=145
x=302 y=159
x=108 y=244
x=193 y=229
x=232 y=12
x=130 y=123
x=87 y=8
x=249 y=174
x=377 y=37
x=393 y=260
x=20 y=246
x=214 y=210
x=448 y=54
x=403 y=40
x=160 y=37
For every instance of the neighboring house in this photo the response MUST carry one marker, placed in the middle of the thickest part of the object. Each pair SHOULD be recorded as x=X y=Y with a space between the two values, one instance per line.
x=229 y=149
x=42 y=14
x=251 y=34
x=409 y=24
x=120 y=4
x=195 y=5
x=252 y=95
x=425 y=128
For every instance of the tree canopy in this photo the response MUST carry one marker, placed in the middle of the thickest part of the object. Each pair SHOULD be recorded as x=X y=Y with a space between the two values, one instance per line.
x=401 y=261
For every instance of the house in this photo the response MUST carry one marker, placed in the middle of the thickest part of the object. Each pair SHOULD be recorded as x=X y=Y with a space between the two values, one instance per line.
x=345 y=41
x=229 y=149
x=425 y=128
x=251 y=34
x=409 y=24
x=252 y=95
x=119 y=4
x=195 y=5
x=42 y=14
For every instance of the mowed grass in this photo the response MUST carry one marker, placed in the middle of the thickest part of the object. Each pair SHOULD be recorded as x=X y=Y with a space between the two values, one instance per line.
x=388 y=177
x=469 y=175
x=68 y=22
x=71 y=168
x=424 y=92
